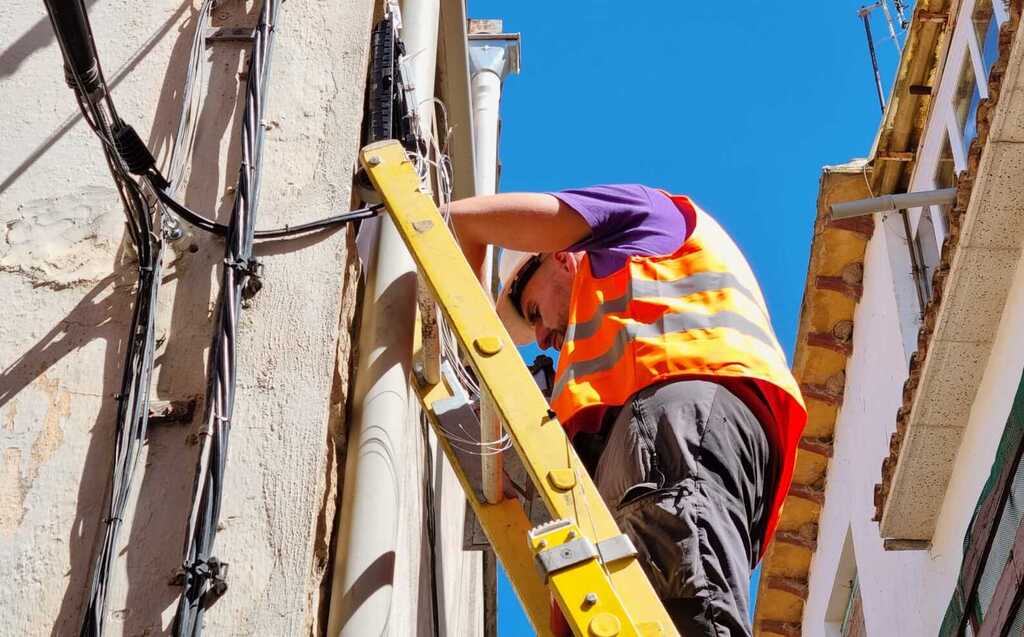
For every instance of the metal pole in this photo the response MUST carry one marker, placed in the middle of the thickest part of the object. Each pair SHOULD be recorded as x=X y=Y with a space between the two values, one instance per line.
x=915 y=264
x=363 y=581
x=864 y=11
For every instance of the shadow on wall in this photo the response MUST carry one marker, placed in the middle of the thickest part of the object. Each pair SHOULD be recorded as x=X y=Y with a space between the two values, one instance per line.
x=105 y=309
x=154 y=530
x=35 y=39
x=41 y=36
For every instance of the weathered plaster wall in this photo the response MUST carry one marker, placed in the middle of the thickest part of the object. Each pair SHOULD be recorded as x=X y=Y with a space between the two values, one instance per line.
x=66 y=280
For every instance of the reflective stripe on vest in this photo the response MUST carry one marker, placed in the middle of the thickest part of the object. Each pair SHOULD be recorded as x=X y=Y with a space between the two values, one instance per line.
x=667 y=324
x=700 y=282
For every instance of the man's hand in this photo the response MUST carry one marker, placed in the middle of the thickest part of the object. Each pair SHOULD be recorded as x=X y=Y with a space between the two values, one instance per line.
x=529 y=222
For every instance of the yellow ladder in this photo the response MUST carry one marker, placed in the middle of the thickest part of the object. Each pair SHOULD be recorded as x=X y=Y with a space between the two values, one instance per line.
x=580 y=557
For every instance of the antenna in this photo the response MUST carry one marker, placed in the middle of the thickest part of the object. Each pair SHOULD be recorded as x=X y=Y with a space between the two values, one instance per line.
x=888 y=21
x=900 y=12
x=863 y=12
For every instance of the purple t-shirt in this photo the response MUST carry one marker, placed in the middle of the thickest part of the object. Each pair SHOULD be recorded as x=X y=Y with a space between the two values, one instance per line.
x=624 y=220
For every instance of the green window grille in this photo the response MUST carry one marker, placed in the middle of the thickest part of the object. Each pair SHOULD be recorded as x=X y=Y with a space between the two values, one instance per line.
x=990 y=539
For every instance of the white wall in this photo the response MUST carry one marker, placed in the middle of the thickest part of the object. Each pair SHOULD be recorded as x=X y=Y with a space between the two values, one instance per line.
x=890 y=582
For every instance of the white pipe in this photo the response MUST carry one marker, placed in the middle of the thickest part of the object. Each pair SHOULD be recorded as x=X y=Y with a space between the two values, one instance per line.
x=886 y=203
x=365 y=551
x=489 y=62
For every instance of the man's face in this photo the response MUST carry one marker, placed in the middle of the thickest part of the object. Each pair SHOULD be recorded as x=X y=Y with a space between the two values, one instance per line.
x=546 y=298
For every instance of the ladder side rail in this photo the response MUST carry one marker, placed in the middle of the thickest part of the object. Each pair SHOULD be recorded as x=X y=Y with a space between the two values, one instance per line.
x=538 y=438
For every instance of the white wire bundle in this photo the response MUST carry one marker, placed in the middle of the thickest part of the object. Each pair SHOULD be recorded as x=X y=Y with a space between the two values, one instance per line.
x=191 y=100
x=443 y=183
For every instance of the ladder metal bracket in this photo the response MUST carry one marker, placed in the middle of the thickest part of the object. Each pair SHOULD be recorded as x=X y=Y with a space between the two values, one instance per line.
x=565 y=555
x=616 y=548
x=461 y=426
x=576 y=549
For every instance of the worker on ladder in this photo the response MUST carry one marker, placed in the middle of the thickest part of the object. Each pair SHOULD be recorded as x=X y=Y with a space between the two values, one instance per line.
x=670 y=381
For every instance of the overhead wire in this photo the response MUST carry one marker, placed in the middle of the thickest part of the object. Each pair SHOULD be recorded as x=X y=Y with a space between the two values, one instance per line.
x=84 y=75
x=203 y=577
x=147 y=219
x=204 y=223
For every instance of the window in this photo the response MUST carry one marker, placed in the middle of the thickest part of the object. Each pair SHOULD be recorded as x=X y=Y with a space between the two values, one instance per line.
x=987 y=598
x=853 y=619
x=986 y=29
x=966 y=100
x=926 y=244
x=945 y=177
x=844 y=615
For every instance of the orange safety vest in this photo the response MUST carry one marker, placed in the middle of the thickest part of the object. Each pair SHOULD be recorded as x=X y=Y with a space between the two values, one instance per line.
x=697 y=313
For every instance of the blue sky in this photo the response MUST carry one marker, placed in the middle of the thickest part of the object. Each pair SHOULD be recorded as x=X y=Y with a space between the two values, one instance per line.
x=738 y=105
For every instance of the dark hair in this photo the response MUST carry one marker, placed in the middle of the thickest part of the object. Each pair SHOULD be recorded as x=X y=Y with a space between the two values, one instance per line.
x=515 y=289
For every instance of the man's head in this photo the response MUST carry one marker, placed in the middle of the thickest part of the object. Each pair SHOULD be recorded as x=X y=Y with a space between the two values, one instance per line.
x=539 y=292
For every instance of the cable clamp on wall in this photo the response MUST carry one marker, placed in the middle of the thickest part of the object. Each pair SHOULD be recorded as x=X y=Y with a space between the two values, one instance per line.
x=252 y=269
x=135 y=154
x=198 y=572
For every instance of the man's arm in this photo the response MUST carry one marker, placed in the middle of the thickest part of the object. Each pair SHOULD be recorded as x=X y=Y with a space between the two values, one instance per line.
x=530 y=222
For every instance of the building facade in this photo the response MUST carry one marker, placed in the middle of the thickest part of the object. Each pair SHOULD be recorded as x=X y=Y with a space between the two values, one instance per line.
x=904 y=517
x=291 y=509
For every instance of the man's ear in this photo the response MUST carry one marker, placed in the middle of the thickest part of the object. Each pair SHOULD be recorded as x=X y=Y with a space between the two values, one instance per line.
x=566 y=260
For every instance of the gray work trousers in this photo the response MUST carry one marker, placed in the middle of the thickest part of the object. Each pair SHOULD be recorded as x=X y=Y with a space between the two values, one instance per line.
x=684 y=468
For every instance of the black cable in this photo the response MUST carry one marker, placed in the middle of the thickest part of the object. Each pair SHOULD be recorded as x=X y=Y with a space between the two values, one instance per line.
x=430 y=513
x=125 y=154
x=203 y=577
x=211 y=226
x=84 y=75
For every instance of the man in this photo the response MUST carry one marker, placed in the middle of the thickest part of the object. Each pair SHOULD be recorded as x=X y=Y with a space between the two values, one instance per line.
x=670 y=380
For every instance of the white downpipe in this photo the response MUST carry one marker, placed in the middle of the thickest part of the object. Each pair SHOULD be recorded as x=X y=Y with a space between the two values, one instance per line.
x=488 y=66
x=365 y=551
x=489 y=62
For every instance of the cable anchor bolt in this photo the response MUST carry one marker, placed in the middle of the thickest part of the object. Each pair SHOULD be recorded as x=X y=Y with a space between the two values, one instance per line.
x=252 y=270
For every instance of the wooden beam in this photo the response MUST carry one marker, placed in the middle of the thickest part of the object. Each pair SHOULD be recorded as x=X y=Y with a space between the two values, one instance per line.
x=906 y=545
x=896 y=156
x=828 y=340
x=932 y=16
x=820 y=393
x=862 y=225
x=838 y=284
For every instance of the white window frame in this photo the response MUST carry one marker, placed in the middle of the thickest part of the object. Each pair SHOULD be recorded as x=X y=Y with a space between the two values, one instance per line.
x=941 y=124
